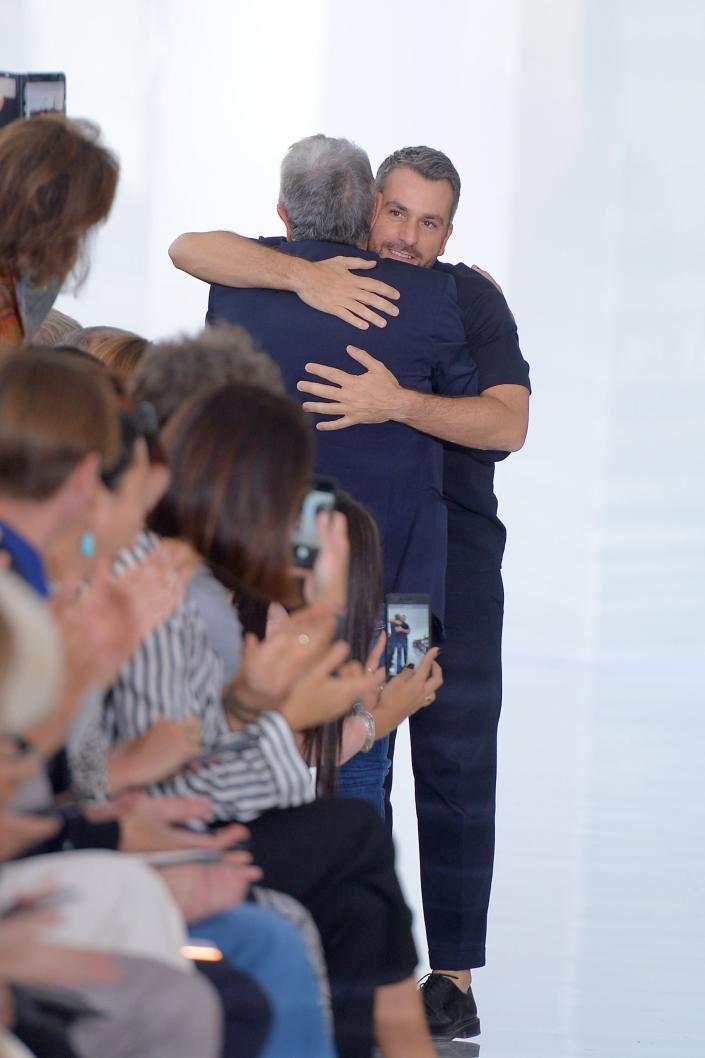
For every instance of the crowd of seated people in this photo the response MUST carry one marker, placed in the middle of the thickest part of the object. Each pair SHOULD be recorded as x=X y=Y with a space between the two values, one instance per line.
x=177 y=874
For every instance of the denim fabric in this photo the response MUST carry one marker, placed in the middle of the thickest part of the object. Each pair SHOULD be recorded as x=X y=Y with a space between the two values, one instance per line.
x=269 y=949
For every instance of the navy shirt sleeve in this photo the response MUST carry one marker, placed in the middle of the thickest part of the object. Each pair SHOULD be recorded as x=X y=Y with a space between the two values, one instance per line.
x=490 y=330
x=454 y=371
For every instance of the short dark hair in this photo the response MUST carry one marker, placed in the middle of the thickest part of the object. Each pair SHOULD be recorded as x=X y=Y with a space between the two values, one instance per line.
x=174 y=371
x=56 y=182
x=427 y=162
x=240 y=458
x=55 y=408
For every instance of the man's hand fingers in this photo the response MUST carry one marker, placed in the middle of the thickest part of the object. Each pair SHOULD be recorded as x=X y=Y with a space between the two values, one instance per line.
x=373 y=300
x=336 y=424
x=349 y=317
x=367 y=313
x=355 y=262
x=361 y=356
x=492 y=280
x=330 y=374
x=329 y=408
x=318 y=389
x=380 y=289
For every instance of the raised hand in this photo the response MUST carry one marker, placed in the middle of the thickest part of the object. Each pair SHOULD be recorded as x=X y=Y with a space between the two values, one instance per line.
x=405 y=694
x=270 y=668
x=327 y=582
x=327 y=690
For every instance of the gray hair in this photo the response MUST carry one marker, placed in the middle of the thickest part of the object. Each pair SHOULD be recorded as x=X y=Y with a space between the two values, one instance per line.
x=327 y=190
x=171 y=372
x=427 y=162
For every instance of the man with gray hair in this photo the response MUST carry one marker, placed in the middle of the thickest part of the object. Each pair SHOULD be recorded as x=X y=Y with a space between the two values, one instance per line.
x=327 y=204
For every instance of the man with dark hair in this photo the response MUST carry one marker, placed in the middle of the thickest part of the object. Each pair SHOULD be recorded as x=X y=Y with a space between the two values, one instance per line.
x=454 y=745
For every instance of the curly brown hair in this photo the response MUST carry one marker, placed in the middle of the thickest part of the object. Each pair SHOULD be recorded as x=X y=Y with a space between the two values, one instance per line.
x=56 y=182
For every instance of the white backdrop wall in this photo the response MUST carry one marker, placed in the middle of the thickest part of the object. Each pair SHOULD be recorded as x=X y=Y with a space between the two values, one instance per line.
x=577 y=129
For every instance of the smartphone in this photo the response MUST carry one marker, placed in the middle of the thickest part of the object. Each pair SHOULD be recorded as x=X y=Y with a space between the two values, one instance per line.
x=408 y=630
x=176 y=856
x=22 y=95
x=320 y=497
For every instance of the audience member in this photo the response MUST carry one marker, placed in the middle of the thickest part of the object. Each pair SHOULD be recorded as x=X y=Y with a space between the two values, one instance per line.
x=56 y=183
x=55 y=329
x=119 y=350
x=240 y=519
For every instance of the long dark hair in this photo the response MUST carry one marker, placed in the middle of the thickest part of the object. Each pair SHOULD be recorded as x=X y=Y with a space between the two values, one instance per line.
x=365 y=595
x=240 y=458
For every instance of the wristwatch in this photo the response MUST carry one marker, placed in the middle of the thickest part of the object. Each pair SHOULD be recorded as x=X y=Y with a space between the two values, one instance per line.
x=359 y=710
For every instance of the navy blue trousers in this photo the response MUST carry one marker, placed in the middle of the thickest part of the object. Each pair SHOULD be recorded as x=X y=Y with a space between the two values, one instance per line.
x=454 y=758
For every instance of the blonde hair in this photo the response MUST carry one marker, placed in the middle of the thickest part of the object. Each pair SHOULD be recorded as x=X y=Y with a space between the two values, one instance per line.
x=119 y=350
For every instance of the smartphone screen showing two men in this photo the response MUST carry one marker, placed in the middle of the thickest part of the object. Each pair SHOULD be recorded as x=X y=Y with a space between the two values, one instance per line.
x=408 y=631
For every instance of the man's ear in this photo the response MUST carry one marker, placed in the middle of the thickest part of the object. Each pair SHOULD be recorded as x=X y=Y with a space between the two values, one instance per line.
x=448 y=235
x=285 y=219
x=79 y=487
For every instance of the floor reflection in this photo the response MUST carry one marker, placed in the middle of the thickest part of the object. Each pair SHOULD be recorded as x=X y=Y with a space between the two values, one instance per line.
x=596 y=942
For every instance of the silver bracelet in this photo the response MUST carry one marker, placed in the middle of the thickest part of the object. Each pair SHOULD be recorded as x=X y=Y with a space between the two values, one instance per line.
x=359 y=710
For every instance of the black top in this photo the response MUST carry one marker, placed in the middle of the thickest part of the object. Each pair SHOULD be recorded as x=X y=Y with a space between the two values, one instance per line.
x=476 y=535
x=395 y=471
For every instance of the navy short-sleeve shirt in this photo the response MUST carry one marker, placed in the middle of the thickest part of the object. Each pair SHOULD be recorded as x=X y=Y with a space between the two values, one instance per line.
x=476 y=535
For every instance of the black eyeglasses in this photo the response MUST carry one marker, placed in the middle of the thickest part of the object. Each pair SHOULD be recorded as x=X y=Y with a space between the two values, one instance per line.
x=142 y=422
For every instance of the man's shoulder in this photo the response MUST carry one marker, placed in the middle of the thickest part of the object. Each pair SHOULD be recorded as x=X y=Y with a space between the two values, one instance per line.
x=414 y=278
x=471 y=284
x=480 y=300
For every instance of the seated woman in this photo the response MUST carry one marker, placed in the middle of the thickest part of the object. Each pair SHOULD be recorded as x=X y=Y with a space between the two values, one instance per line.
x=240 y=460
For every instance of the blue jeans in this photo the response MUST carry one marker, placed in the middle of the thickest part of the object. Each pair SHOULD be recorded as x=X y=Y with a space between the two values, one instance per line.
x=400 y=656
x=269 y=949
x=364 y=774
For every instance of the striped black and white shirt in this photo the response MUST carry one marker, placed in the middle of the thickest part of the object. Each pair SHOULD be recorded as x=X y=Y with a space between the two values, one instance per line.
x=176 y=674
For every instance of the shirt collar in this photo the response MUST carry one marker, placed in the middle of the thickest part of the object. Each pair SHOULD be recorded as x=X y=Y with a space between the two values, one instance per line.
x=25 y=560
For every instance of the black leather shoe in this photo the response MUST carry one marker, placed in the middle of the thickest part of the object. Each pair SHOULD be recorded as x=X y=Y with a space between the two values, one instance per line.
x=450 y=1013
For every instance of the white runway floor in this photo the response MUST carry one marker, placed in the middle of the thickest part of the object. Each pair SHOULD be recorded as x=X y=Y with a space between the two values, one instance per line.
x=597 y=930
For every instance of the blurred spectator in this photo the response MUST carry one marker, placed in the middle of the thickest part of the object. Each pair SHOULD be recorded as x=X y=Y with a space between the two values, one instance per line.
x=171 y=372
x=56 y=183
x=56 y=326
x=119 y=350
